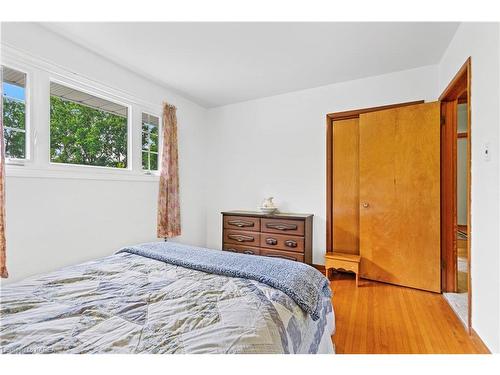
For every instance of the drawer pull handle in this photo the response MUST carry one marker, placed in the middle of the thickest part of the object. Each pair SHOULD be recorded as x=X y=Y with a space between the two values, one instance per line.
x=249 y=252
x=241 y=238
x=241 y=223
x=271 y=241
x=291 y=243
x=281 y=226
x=232 y=250
x=281 y=256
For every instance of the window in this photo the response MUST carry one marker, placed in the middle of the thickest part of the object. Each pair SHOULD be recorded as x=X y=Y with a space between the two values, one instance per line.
x=14 y=112
x=150 y=130
x=86 y=130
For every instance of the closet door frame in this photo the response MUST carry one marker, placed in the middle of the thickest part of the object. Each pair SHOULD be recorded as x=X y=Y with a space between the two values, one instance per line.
x=330 y=119
x=460 y=84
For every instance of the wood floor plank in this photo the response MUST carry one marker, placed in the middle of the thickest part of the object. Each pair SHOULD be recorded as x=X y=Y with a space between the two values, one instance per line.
x=378 y=318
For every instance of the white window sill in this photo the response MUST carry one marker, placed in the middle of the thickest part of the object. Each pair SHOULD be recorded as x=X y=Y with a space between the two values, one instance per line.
x=78 y=173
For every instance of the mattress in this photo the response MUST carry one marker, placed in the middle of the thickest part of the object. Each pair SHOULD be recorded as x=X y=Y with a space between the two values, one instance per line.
x=127 y=303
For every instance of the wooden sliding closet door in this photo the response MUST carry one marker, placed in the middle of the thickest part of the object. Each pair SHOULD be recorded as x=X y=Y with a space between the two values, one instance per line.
x=399 y=195
x=346 y=186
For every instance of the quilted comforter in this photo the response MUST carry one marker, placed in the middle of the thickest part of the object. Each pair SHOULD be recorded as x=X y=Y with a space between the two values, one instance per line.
x=127 y=303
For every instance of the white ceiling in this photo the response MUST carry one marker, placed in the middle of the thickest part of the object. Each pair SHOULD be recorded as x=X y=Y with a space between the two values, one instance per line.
x=221 y=63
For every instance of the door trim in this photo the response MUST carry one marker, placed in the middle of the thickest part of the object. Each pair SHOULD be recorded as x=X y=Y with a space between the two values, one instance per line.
x=448 y=196
x=330 y=118
x=460 y=84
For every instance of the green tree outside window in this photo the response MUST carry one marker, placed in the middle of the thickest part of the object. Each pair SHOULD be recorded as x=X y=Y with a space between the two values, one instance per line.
x=14 y=121
x=83 y=135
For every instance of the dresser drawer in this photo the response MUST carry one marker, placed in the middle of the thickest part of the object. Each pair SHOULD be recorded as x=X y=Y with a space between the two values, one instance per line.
x=243 y=223
x=283 y=235
x=241 y=237
x=241 y=249
x=295 y=227
x=282 y=254
x=282 y=242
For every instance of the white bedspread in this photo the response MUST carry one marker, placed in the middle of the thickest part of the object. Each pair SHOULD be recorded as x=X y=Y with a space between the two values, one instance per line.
x=127 y=303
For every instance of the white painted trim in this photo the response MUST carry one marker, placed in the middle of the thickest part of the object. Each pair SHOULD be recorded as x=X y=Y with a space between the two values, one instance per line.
x=58 y=173
x=28 y=140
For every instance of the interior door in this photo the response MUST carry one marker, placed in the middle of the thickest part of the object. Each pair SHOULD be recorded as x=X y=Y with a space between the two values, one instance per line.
x=399 y=195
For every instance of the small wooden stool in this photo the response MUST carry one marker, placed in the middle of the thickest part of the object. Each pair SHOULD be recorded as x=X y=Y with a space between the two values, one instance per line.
x=342 y=261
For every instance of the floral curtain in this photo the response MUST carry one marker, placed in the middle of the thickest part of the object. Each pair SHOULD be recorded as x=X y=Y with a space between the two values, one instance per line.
x=3 y=264
x=169 y=221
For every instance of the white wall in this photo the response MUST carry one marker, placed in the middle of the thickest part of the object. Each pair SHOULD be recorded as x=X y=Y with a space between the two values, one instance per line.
x=276 y=146
x=481 y=42
x=56 y=218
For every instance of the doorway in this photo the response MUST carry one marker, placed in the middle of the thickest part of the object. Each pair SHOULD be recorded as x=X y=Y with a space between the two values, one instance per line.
x=456 y=193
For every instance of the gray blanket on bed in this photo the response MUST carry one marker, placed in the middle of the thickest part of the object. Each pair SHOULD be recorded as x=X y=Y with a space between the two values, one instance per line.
x=301 y=282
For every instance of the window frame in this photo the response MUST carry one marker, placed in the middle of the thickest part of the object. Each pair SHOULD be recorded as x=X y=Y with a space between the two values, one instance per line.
x=160 y=141
x=97 y=93
x=27 y=115
x=40 y=72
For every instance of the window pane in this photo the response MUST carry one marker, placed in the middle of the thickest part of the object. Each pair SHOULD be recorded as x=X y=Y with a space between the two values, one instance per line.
x=14 y=112
x=150 y=129
x=154 y=130
x=150 y=119
x=154 y=161
x=145 y=160
x=154 y=143
x=15 y=141
x=145 y=141
x=86 y=130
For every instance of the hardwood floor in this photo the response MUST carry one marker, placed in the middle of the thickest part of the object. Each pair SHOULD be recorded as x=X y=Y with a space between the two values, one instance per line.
x=378 y=318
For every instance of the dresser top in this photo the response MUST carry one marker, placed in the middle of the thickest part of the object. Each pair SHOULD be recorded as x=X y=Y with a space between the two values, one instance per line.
x=282 y=215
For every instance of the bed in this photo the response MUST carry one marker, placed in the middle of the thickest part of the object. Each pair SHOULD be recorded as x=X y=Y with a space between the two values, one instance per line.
x=145 y=302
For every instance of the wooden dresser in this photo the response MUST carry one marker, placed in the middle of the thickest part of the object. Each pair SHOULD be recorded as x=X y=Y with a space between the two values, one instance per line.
x=283 y=235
